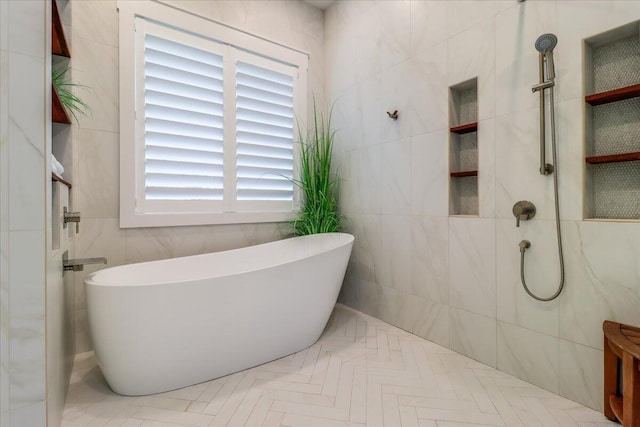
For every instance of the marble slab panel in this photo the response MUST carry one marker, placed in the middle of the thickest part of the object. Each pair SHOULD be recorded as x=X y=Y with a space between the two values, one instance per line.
x=581 y=378
x=26 y=34
x=396 y=177
x=430 y=258
x=395 y=32
x=429 y=104
x=430 y=174
x=472 y=265
x=529 y=355
x=517 y=165
x=471 y=54
x=96 y=178
x=542 y=275
x=473 y=335
x=517 y=29
x=98 y=20
x=603 y=277
x=428 y=24
x=395 y=266
x=95 y=65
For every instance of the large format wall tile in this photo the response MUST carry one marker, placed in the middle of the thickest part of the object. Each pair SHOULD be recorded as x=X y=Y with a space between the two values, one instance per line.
x=578 y=20
x=148 y=244
x=366 y=255
x=26 y=143
x=529 y=355
x=4 y=322
x=396 y=177
x=395 y=32
x=26 y=318
x=516 y=57
x=473 y=335
x=95 y=65
x=487 y=168
x=472 y=268
x=542 y=275
x=396 y=93
x=432 y=321
x=26 y=32
x=366 y=176
x=462 y=15
x=4 y=127
x=430 y=258
x=581 y=378
x=428 y=24
x=517 y=165
x=570 y=165
x=395 y=267
x=471 y=54
x=430 y=174
x=97 y=21
x=603 y=277
x=429 y=100
x=96 y=193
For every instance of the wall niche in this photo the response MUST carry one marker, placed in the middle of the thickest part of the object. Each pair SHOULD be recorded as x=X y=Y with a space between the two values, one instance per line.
x=463 y=148
x=612 y=146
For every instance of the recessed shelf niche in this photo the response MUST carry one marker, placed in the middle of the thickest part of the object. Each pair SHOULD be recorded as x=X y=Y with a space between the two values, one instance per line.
x=59 y=47
x=463 y=148
x=612 y=146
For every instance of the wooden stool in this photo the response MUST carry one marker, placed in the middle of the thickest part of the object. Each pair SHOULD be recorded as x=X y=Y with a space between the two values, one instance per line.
x=622 y=342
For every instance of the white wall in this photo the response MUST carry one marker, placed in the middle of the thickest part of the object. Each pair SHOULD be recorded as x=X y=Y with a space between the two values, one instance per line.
x=23 y=226
x=455 y=280
x=96 y=138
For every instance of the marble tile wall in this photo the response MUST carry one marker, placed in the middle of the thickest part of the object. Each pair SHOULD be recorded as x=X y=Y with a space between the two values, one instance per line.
x=96 y=137
x=455 y=280
x=23 y=138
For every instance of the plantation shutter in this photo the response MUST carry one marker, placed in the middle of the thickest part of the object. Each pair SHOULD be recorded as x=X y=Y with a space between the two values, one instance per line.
x=264 y=130
x=183 y=117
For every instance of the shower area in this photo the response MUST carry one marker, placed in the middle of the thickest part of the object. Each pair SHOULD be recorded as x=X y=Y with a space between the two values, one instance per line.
x=430 y=197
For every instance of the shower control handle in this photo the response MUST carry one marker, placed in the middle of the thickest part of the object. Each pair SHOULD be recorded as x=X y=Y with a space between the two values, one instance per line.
x=523 y=210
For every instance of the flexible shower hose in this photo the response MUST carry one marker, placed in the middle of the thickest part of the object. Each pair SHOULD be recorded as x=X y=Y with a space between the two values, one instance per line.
x=558 y=233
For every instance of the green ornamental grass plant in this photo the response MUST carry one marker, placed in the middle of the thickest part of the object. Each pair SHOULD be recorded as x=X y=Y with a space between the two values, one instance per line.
x=72 y=103
x=317 y=181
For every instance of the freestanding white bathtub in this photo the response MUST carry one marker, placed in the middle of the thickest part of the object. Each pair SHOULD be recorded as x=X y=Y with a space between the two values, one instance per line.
x=162 y=325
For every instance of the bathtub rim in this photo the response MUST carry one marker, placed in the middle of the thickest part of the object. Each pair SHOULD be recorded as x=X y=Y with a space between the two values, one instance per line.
x=345 y=239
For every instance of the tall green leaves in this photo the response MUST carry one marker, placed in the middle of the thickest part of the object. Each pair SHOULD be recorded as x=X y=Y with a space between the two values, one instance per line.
x=71 y=102
x=317 y=182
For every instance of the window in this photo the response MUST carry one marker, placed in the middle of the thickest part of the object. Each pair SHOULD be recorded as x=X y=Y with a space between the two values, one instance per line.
x=208 y=117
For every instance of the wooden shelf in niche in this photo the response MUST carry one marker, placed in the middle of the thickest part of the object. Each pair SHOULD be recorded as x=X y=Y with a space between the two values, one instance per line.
x=463 y=174
x=613 y=158
x=614 y=95
x=59 y=45
x=58 y=112
x=469 y=127
x=56 y=178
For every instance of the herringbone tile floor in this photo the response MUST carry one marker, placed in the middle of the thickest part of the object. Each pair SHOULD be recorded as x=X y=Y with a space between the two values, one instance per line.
x=362 y=372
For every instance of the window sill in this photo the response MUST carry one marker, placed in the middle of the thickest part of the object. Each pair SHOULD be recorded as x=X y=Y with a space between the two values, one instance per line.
x=205 y=218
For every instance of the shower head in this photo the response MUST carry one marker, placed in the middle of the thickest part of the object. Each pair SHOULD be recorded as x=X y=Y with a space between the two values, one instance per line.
x=545 y=44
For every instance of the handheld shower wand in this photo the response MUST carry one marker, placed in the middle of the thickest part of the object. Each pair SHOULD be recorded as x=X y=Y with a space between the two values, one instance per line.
x=545 y=44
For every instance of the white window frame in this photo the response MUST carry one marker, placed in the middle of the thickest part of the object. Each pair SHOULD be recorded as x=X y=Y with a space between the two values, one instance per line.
x=134 y=214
